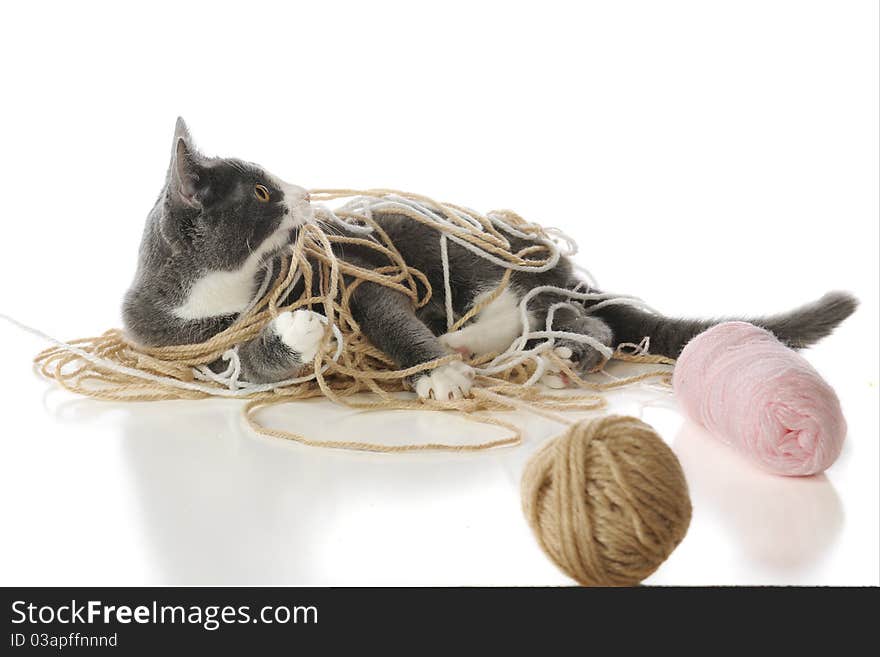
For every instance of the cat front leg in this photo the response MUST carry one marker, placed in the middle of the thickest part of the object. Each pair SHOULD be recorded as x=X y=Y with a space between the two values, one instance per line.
x=284 y=347
x=387 y=318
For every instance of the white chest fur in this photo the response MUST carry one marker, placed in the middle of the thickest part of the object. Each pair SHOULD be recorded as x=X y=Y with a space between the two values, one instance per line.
x=219 y=293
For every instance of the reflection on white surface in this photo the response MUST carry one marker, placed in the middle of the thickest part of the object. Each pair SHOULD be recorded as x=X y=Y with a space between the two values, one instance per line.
x=216 y=504
x=181 y=493
x=783 y=523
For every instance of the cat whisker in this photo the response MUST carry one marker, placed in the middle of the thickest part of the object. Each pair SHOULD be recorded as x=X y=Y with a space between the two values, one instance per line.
x=329 y=227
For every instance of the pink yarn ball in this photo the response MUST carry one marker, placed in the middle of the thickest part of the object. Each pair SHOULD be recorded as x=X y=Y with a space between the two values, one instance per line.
x=751 y=391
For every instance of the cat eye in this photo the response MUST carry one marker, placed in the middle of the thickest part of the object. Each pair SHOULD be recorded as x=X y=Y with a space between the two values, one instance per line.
x=261 y=193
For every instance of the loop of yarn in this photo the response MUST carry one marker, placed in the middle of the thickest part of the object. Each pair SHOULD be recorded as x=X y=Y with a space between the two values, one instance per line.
x=763 y=398
x=607 y=501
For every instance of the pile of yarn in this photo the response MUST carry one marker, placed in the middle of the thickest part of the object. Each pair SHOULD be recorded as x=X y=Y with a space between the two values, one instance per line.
x=111 y=367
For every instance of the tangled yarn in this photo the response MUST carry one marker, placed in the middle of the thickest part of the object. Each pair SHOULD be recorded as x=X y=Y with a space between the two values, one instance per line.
x=607 y=501
x=753 y=392
x=111 y=367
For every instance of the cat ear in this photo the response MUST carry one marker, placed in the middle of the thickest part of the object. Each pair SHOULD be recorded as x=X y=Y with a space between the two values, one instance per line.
x=181 y=130
x=187 y=173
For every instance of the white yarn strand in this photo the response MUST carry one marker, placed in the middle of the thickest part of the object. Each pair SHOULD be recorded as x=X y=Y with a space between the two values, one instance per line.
x=447 y=286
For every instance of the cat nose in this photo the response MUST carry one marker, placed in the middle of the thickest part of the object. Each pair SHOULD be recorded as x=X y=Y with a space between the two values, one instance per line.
x=307 y=197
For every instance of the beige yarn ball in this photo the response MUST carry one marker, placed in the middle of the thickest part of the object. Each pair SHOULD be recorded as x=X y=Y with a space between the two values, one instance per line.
x=607 y=501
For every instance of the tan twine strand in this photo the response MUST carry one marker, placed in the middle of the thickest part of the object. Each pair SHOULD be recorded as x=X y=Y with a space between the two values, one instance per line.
x=348 y=369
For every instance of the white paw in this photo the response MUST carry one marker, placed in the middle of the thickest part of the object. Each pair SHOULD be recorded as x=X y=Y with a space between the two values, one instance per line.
x=450 y=381
x=553 y=376
x=456 y=341
x=301 y=331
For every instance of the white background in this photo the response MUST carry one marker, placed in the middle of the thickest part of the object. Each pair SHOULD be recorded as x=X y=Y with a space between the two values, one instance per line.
x=711 y=157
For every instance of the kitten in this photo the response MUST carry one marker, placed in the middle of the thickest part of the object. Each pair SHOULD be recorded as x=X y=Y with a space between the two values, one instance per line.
x=217 y=221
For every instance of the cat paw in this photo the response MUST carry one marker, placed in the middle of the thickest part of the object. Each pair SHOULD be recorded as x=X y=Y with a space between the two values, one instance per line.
x=450 y=381
x=553 y=376
x=580 y=358
x=301 y=331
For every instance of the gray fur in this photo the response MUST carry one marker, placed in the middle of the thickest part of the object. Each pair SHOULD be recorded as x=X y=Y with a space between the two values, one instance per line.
x=206 y=220
x=266 y=358
x=798 y=328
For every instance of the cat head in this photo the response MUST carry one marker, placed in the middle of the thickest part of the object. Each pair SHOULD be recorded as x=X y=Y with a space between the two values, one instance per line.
x=225 y=211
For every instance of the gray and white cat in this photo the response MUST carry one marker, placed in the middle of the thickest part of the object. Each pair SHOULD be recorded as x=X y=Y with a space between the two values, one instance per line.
x=218 y=220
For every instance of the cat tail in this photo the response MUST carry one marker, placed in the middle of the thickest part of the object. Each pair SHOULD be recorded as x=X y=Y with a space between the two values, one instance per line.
x=797 y=328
